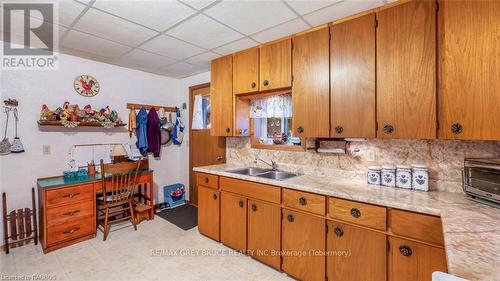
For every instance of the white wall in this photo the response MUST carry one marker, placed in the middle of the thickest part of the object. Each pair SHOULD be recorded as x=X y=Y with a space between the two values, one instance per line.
x=18 y=172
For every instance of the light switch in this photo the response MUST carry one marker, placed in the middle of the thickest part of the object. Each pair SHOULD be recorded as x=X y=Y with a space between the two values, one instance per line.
x=46 y=149
x=370 y=155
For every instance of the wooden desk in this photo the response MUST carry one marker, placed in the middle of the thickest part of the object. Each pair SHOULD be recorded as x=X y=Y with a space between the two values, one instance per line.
x=68 y=207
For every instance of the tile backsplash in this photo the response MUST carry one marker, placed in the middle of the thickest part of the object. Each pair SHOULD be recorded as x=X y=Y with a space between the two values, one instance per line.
x=443 y=157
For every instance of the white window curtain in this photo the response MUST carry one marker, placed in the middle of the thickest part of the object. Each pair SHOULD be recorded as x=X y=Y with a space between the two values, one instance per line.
x=197 y=112
x=271 y=107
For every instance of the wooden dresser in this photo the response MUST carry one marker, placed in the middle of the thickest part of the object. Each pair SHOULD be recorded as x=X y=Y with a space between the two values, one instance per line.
x=68 y=208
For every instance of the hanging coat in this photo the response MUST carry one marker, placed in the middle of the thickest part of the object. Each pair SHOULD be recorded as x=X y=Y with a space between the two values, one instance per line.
x=141 y=131
x=154 y=133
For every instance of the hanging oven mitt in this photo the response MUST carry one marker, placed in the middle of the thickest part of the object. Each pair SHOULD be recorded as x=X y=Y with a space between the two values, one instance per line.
x=132 y=121
x=5 y=144
x=179 y=129
x=17 y=145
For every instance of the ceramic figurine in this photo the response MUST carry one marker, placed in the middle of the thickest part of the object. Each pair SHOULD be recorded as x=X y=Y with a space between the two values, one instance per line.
x=46 y=113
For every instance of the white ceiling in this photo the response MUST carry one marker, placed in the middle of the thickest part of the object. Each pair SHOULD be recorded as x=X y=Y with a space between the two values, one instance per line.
x=180 y=38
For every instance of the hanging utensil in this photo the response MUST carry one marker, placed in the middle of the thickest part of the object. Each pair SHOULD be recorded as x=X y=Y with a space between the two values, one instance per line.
x=5 y=143
x=17 y=145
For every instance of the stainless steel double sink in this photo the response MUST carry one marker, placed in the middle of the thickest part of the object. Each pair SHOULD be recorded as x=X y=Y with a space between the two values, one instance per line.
x=263 y=173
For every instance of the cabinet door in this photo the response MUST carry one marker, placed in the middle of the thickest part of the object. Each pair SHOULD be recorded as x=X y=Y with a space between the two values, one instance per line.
x=368 y=253
x=208 y=212
x=233 y=221
x=221 y=96
x=469 y=68
x=246 y=71
x=410 y=260
x=275 y=69
x=302 y=237
x=264 y=232
x=311 y=85
x=353 y=78
x=406 y=71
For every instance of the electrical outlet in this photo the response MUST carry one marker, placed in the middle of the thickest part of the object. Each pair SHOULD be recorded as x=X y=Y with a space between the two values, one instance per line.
x=46 y=149
x=370 y=155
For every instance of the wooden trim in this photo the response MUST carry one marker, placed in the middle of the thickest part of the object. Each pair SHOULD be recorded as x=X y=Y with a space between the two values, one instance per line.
x=310 y=30
x=149 y=106
x=255 y=144
x=199 y=86
x=264 y=94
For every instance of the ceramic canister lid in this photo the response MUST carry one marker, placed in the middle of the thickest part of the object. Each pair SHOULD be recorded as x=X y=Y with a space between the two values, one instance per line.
x=388 y=167
x=374 y=168
x=403 y=167
x=419 y=166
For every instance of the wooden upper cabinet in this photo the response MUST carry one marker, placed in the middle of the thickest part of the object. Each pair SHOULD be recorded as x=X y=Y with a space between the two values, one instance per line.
x=246 y=71
x=221 y=96
x=311 y=85
x=469 y=69
x=406 y=71
x=275 y=67
x=353 y=78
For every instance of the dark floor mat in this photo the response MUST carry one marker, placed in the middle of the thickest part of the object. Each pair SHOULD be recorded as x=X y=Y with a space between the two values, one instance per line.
x=185 y=216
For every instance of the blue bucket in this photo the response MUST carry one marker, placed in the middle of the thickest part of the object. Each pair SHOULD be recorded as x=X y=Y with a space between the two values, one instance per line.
x=174 y=195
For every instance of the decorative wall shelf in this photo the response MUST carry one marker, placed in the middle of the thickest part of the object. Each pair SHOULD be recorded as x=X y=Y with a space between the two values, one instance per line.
x=80 y=124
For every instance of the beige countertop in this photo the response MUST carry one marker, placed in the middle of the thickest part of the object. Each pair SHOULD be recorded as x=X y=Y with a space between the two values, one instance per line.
x=471 y=230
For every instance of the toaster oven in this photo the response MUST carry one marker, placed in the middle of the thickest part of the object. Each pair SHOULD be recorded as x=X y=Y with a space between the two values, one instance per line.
x=481 y=178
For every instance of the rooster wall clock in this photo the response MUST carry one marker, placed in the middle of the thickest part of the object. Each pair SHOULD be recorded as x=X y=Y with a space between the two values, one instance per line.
x=86 y=85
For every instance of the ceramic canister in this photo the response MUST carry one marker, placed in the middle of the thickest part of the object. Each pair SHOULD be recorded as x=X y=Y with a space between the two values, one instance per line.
x=420 y=177
x=374 y=175
x=403 y=176
x=388 y=175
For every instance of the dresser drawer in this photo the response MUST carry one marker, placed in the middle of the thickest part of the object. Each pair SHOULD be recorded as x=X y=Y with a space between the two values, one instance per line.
x=305 y=201
x=358 y=213
x=207 y=180
x=68 y=213
x=71 y=230
x=251 y=189
x=70 y=194
x=417 y=226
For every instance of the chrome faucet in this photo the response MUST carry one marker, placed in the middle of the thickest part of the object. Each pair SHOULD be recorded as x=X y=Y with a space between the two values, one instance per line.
x=273 y=164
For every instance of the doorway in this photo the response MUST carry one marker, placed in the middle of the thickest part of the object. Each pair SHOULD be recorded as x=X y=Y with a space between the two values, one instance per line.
x=203 y=149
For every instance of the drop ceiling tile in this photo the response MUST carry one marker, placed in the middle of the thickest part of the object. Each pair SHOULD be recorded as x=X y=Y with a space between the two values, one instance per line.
x=171 y=47
x=203 y=59
x=84 y=54
x=241 y=15
x=281 y=30
x=158 y=15
x=204 y=32
x=306 y=6
x=145 y=59
x=233 y=47
x=113 y=28
x=341 y=10
x=198 y=4
x=67 y=12
x=180 y=70
x=94 y=45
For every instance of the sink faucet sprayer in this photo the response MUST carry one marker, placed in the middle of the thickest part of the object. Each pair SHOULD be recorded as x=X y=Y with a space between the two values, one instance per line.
x=273 y=164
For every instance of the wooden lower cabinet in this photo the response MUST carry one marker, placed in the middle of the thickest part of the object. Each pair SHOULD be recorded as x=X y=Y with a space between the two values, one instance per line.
x=303 y=245
x=233 y=221
x=414 y=261
x=367 y=259
x=208 y=212
x=264 y=232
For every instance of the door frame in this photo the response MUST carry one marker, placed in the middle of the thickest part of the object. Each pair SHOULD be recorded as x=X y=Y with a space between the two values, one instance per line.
x=191 y=100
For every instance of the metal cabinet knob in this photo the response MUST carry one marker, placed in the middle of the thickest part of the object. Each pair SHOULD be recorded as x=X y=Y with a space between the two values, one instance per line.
x=228 y=130
x=254 y=207
x=214 y=196
x=253 y=84
x=388 y=129
x=457 y=128
x=241 y=203
x=220 y=158
x=339 y=129
x=265 y=83
x=302 y=201
x=355 y=212
x=300 y=130
x=405 y=250
x=290 y=218
x=206 y=180
x=339 y=232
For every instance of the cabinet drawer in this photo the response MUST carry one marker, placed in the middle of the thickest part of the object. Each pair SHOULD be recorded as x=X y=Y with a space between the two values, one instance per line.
x=72 y=230
x=207 y=180
x=309 y=202
x=69 y=213
x=359 y=213
x=70 y=194
x=417 y=226
x=251 y=189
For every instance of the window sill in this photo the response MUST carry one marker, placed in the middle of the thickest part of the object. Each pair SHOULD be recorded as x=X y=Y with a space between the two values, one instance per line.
x=299 y=148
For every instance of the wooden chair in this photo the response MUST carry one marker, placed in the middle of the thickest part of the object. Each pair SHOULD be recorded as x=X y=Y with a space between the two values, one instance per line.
x=118 y=183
